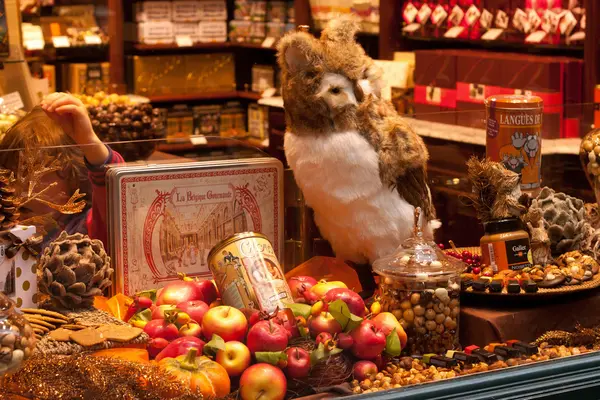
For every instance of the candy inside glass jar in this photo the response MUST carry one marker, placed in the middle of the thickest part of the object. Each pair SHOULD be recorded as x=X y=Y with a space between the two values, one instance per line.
x=17 y=340
x=421 y=287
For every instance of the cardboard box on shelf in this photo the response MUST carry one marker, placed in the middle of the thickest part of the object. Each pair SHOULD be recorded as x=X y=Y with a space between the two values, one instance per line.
x=207 y=119
x=186 y=11
x=263 y=78
x=191 y=29
x=156 y=32
x=88 y=78
x=212 y=31
x=153 y=11
x=258 y=121
x=212 y=10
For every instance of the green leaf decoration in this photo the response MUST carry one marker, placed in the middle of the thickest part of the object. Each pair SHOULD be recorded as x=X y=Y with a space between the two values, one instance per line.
x=343 y=316
x=299 y=309
x=270 y=357
x=144 y=315
x=392 y=344
x=321 y=353
x=216 y=343
x=353 y=323
x=151 y=294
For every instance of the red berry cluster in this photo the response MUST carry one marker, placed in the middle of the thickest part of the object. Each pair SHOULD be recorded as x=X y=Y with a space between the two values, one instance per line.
x=473 y=261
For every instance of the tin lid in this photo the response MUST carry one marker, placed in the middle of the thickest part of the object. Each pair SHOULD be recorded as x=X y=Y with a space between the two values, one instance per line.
x=234 y=238
x=514 y=101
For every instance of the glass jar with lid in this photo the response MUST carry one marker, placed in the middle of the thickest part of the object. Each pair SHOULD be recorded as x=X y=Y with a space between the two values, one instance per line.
x=420 y=285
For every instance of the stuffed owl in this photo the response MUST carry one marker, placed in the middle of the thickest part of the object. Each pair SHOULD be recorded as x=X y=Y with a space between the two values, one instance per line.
x=361 y=168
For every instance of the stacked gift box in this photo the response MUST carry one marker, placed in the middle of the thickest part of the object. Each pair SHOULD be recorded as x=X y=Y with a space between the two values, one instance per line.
x=256 y=20
x=161 y=22
x=533 y=21
x=452 y=85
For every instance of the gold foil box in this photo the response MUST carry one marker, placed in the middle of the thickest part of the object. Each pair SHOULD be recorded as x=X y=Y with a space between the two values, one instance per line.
x=187 y=74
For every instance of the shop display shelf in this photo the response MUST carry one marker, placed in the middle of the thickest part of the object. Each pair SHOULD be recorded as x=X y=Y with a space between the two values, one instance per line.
x=173 y=98
x=214 y=143
x=140 y=48
x=495 y=45
x=563 y=378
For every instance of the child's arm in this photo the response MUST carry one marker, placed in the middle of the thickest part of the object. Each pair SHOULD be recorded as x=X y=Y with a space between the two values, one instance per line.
x=72 y=116
x=70 y=113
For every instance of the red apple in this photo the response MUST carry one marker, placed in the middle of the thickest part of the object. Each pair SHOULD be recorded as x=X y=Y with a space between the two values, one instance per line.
x=323 y=322
x=208 y=290
x=345 y=341
x=235 y=358
x=386 y=321
x=310 y=297
x=298 y=363
x=323 y=337
x=159 y=312
x=263 y=381
x=190 y=329
x=267 y=336
x=227 y=322
x=364 y=370
x=195 y=309
x=178 y=292
x=252 y=315
x=286 y=319
x=369 y=341
x=352 y=299
x=299 y=285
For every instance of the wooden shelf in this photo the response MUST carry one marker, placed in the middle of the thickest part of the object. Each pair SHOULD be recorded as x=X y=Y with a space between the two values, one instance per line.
x=142 y=48
x=172 y=98
x=212 y=143
x=496 y=45
x=249 y=95
x=170 y=46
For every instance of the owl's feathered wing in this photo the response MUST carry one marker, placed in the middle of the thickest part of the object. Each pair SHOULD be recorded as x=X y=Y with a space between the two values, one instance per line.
x=402 y=153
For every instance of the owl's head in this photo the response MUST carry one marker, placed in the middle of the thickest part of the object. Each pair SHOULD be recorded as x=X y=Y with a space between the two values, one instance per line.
x=324 y=80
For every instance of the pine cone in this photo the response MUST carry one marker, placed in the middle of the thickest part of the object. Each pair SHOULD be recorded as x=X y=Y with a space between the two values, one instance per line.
x=9 y=210
x=565 y=220
x=74 y=269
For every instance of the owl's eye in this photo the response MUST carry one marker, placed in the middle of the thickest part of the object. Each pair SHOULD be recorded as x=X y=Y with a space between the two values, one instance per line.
x=335 y=90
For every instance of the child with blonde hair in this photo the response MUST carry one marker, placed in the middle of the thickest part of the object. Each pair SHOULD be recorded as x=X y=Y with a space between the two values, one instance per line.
x=60 y=127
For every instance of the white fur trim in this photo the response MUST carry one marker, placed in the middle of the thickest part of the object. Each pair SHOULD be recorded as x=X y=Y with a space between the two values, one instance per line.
x=339 y=177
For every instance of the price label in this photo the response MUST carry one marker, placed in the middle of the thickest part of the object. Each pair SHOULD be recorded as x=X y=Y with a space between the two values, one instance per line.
x=92 y=39
x=411 y=27
x=270 y=92
x=184 y=41
x=34 y=44
x=454 y=32
x=61 y=42
x=268 y=42
x=12 y=101
x=198 y=140
x=535 y=37
x=492 y=34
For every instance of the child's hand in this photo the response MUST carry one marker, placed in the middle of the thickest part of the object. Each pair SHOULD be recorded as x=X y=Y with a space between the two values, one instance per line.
x=71 y=115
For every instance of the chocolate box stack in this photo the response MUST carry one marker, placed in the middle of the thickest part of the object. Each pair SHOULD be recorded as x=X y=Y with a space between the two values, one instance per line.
x=461 y=80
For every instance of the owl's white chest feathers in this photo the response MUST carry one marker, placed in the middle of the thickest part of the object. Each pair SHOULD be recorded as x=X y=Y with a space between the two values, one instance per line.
x=339 y=177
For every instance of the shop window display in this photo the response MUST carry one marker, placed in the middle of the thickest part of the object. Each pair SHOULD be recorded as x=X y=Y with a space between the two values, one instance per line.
x=181 y=245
